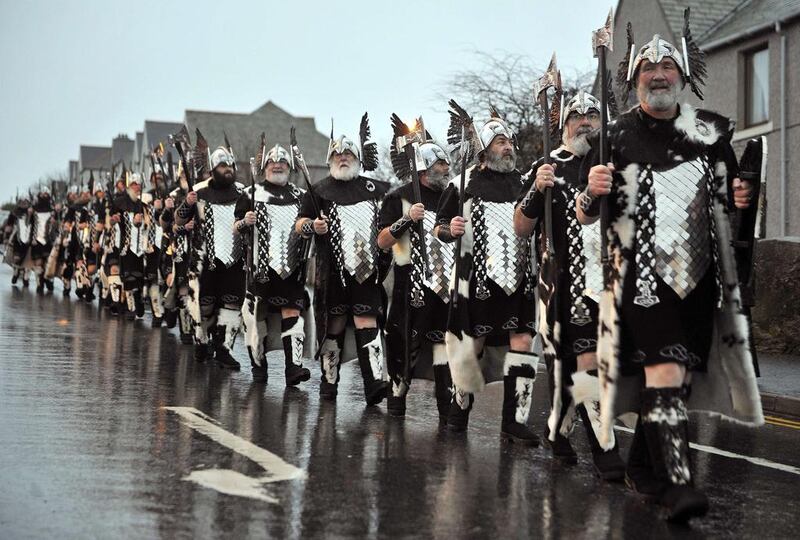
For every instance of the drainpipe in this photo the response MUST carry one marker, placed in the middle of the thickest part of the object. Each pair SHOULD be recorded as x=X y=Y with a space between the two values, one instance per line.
x=784 y=156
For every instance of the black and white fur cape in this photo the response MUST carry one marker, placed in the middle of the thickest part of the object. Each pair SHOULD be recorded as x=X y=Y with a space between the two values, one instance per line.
x=728 y=388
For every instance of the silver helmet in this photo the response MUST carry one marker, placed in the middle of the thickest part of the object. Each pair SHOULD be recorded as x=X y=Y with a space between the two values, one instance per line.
x=222 y=155
x=655 y=51
x=430 y=152
x=495 y=127
x=135 y=178
x=73 y=189
x=581 y=103
x=278 y=153
x=342 y=145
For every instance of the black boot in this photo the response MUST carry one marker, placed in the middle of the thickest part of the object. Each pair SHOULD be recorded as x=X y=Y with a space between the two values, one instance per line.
x=607 y=463
x=561 y=448
x=458 y=415
x=370 y=360
x=66 y=291
x=330 y=359
x=396 y=405
x=171 y=318
x=293 y=337
x=186 y=327
x=138 y=303
x=49 y=284
x=221 y=353
x=442 y=384
x=520 y=371
x=665 y=424
x=15 y=277
x=639 y=475
x=202 y=352
x=259 y=373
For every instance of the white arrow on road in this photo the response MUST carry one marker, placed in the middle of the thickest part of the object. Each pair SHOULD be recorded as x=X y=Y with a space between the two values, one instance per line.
x=228 y=481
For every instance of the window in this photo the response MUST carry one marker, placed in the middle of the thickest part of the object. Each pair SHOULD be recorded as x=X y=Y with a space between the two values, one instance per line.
x=756 y=87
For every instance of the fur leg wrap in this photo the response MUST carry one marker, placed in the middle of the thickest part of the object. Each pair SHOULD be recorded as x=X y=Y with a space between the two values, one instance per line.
x=156 y=302
x=665 y=423
x=293 y=336
x=370 y=354
x=520 y=368
x=229 y=322
x=115 y=288
x=185 y=321
x=330 y=357
x=192 y=298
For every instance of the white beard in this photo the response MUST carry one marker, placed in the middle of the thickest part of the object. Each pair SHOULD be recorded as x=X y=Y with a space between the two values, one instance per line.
x=578 y=145
x=133 y=195
x=501 y=164
x=344 y=173
x=279 y=179
x=662 y=102
x=438 y=181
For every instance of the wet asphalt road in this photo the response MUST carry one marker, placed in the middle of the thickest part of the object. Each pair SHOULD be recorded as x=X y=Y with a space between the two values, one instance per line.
x=89 y=451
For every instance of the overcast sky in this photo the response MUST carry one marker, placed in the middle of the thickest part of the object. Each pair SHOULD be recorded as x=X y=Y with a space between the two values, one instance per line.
x=81 y=72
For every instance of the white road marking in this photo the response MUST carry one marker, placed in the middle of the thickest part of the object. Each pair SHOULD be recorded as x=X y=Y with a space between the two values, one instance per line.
x=232 y=482
x=733 y=455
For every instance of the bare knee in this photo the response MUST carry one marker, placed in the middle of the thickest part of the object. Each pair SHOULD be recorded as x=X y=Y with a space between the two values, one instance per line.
x=520 y=342
x=364 y=322
x=669 y=375
x=587 y=361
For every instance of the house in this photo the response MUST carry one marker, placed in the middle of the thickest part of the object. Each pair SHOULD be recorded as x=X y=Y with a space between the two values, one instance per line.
x=748 y=44
x=95 y=159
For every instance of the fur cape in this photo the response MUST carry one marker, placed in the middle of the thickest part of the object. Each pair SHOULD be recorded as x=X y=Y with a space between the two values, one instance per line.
x=728 y=388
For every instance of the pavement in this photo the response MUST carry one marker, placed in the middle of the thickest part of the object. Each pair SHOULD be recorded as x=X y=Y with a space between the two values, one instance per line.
x=109 y=429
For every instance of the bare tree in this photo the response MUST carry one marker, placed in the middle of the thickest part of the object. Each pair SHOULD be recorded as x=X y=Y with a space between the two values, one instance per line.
x=505 y=82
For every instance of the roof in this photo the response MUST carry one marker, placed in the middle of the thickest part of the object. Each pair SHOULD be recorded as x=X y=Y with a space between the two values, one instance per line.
x=122 y=149
x=95 y=157
x=704 y=15
x=244 y=131
x=751 y=16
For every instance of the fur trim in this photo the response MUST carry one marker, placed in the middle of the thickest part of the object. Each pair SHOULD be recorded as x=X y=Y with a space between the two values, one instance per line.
x=696 y=130
x=231 y=320
x=156 y=302
x=439 y=354
x=255 y=332
x=298 y=329
x=402 y=248
x=515 y=359
x=464 y=366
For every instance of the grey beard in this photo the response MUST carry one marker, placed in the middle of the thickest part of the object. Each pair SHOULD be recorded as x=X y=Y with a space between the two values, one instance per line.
x=662 y=102
x=578 y=145
x=338 y=173
x=437 y=181
x=133 y=195
x=501 y=164
x=279 y=179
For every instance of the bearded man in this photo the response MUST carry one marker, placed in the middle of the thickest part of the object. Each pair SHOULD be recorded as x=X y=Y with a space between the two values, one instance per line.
x=348 y=263
x=671 y=330
x=500 y=295
x=133 y=216
x=277 y=281
x=222 y=280
x=45 y=231
x=568 y=299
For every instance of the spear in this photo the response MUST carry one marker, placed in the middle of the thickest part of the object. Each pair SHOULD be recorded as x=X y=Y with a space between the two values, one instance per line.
x=602 y=41
x=548 y=80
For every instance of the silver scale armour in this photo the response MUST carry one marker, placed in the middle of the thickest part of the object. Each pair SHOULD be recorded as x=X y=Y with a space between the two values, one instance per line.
x=227 y=246
x=276 y=240
x=683 y=242
x=505 y=251
x=23 y=230
x=441 y=257
x=359 y=238
x=594 y=268
x=137 y=236
x=40 y=234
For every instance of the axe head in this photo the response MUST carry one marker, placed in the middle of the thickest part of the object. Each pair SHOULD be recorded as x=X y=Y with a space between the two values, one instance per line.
x=548 y=80
x=416 y=134
x=604 y=37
